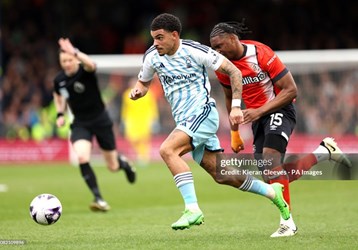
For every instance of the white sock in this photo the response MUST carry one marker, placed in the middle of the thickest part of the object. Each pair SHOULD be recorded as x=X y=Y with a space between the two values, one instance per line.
x=185 y=184
x=288 y=222
x=321 y=153
x=194 y=207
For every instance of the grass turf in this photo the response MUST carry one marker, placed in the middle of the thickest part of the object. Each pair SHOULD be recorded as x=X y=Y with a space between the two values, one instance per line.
x=326 y=212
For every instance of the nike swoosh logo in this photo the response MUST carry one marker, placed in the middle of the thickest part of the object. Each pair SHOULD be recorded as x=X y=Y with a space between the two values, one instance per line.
x=333 y=148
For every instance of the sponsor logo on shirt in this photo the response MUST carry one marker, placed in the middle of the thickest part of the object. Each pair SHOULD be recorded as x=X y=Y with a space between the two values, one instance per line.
x=271 y=60
x=171 y=79
x=254 y=79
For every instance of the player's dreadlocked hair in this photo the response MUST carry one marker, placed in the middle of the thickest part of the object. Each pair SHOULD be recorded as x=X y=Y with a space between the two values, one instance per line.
x=236 y=28
x=167 y=22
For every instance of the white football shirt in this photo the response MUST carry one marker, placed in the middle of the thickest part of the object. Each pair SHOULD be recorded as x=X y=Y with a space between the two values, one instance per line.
x=184 y=76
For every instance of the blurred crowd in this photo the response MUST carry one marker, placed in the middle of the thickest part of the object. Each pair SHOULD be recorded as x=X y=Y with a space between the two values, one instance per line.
x=30 y=30
x=327 y=103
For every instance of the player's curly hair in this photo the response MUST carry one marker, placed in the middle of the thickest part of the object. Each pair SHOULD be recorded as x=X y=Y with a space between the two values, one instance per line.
x=167 y=22
x=236 y=28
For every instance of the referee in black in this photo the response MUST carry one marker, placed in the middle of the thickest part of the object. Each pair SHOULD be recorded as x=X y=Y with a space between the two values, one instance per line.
x=77 y=86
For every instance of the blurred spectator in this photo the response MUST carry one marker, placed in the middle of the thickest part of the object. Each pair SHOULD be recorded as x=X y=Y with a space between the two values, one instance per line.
x=140 y=120
x=327 y=103
x=30 y=30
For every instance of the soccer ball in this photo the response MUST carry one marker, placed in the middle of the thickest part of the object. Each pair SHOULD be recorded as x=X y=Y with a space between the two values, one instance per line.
x=45 y=209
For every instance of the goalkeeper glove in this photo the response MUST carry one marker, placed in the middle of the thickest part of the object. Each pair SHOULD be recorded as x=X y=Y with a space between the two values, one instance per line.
x=237 y=143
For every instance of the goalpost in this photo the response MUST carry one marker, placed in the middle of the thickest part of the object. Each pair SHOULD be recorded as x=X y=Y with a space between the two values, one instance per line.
x=298 y=61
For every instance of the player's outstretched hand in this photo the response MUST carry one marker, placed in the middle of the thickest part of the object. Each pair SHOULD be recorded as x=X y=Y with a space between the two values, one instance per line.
x=135 y=94
x=139 y=90
x=66 y=45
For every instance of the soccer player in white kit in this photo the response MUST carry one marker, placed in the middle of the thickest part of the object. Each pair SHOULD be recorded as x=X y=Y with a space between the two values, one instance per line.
x=181 y=66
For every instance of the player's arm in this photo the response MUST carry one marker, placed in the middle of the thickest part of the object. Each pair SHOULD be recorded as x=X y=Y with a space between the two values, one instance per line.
x=145 y=77
x=228 y=101
x=139 y=90
x=228 y=68
x=87 y=62
x=237 y=143
x=60 y=105
x=287 y=94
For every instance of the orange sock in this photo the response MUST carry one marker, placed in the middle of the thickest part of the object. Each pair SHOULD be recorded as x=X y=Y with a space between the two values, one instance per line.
x=295 y=169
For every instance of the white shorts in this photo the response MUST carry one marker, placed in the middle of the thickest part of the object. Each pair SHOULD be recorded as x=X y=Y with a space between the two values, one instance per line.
x=202 y=127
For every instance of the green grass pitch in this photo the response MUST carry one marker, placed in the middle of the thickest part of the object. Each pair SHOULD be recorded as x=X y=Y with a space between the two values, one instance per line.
x=326 y=212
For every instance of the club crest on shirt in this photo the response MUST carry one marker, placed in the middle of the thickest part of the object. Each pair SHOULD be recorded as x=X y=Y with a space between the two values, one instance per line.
x=79 y=87
x=188 y=62
x=255 y=67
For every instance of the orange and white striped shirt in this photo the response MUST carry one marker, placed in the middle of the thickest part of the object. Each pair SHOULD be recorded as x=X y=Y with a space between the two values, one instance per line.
x=260 y=68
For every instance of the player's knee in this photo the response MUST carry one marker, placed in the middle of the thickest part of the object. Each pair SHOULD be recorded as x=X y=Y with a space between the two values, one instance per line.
x=112 y=162
x=165 y=152
x=113 y=166
x=82 y=159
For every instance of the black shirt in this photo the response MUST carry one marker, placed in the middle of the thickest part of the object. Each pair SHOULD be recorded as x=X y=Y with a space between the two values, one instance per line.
x=81 y=92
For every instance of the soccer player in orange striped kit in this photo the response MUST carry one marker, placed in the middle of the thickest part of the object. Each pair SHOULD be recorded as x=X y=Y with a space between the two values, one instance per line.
x=269 y=91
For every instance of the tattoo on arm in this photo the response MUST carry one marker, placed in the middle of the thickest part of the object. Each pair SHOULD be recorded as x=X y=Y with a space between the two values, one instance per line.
x=235 y=78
